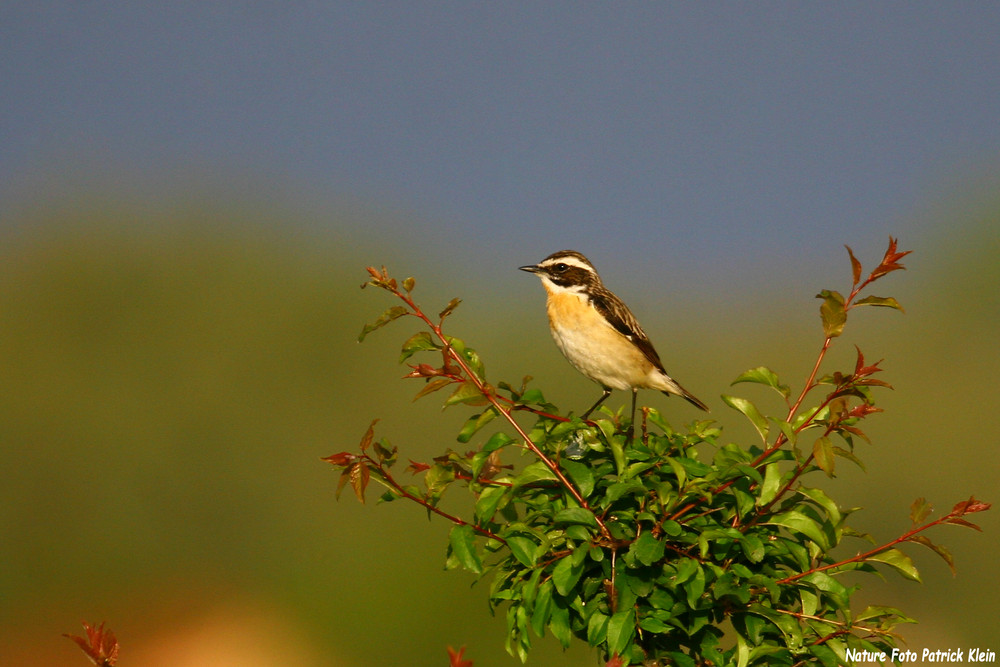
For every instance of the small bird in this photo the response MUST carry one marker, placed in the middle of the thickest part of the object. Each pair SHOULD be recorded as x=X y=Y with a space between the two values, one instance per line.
x=597 y=332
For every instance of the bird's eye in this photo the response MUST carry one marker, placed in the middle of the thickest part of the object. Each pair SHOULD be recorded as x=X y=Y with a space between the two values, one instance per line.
x=560 y=268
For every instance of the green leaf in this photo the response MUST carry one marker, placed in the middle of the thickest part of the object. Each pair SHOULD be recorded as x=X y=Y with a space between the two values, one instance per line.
x=647 y=549
x=819 y=497
x=475 y=363
x=771 y=485
x=463 y=548
x=810 y=601
x=753 y=548
x=682 y=659
x=800 y=523
x=581 y=474
x=620 y=489
x=534 y=472
x=559 y=625
x=617 y=445
x=409 y=284
x=621 y=629
x=878 y=611
x=679 y=471
x=742 y=652
x=833 y=313
x=418 y=342
x=751 y=412
x=523 y=548
x=476 y=422
x=671 y=528
x=883 y=301
x=566 y=574
x=843 y=453
x=496 y=441
x=695 y=587
x=543 y=608
x=764 y=375
x=898 y=560
x=488 y=501
x=467 y=392
x=575 y=515
x=654 y=625
x=686 y=568
x=597 y=629
x=823 y=455
x=388 y=316
x=829 y=585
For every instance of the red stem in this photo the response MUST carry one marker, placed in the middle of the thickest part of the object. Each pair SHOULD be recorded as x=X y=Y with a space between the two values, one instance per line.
x=493 y=399
x=398 y=488
x=872 y=552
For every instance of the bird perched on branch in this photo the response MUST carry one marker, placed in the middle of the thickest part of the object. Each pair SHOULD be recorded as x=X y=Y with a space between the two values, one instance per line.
x=597 y=332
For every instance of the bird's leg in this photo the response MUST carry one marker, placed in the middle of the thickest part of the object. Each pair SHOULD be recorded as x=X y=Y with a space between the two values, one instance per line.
x=631 y=425
x=604 y=396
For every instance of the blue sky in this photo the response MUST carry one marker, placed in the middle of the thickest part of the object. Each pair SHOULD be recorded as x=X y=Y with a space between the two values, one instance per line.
x=700 y=134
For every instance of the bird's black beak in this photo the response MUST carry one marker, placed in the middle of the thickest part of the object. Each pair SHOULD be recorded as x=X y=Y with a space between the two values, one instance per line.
x=531 y=268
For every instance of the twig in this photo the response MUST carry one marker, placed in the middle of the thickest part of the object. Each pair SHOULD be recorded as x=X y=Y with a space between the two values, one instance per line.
x=490 y=396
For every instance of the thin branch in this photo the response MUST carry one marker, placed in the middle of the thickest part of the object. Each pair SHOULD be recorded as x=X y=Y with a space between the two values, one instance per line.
x=905 y=537
x=490 y=396
x=396 y=487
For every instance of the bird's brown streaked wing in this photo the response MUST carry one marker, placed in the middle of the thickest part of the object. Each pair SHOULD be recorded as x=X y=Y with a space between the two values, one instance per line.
x=621 y=318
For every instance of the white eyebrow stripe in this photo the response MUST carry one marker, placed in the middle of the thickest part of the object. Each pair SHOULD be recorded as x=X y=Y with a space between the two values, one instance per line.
x=568 y=261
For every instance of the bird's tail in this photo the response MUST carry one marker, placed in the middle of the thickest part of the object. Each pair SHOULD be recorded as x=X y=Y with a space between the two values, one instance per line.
x=678 y=390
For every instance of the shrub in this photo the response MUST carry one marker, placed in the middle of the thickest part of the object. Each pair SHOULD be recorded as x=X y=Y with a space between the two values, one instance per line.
x=666 y=548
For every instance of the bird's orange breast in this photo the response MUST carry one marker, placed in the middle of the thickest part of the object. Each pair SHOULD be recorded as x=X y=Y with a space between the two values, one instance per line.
x=570 y=311
x=595 y=347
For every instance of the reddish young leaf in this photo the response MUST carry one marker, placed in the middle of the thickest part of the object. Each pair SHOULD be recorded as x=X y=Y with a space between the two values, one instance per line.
x=416 y=467
x=962 y=522
x=428 y=371
x=861 y=370
x=452 y=305
x=366 y=439
x=493 y=466
x=456 y=658
x=969 y=506
x=376 y=277
x=615 y=661
x=432 y=386
x=339 y=460
x=872 y=383
x=938 y=549
x=100 y=645
x=890 y=262
x=359 y=479
x=863 y=410
x=344 y=478
x=854 y=430
x=855 y=266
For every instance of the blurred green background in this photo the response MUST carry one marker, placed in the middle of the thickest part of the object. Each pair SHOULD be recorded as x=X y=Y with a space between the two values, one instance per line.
x=172 y=375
